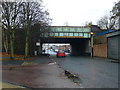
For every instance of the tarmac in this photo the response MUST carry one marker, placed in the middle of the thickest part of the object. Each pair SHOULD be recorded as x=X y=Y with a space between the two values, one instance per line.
x=41 y=72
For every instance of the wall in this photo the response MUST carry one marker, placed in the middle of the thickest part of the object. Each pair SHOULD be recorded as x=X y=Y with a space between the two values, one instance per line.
x=87 y=47
x=113 y=47
x=0 y=36
x=102 y=39
x=95 y=29
x=100 y=46
x=100 y=50
x=80 y=48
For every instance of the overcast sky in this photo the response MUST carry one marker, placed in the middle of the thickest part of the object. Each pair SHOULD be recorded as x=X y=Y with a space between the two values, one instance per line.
x=77 y=12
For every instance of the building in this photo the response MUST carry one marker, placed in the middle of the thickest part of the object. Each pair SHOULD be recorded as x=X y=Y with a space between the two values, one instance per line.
x=107 y=44
x=113 y=41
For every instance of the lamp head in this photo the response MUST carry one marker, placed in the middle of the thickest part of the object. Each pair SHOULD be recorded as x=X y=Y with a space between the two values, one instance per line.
x=91 y=33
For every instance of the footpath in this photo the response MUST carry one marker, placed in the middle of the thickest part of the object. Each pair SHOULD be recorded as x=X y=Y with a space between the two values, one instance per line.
x=38 y=73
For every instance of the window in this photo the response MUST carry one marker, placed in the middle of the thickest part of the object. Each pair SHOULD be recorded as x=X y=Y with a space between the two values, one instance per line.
x=65 y=29
x=65 y=34
x=56 y=34
x=59 y=29
x=72 y=30
x=70 y=34
x=51 y=34
x=86 y=35
x=53 y=29
x=75 y=34
x=61 y=34
x=80 y=29
x=86 y=30
x=80 y=34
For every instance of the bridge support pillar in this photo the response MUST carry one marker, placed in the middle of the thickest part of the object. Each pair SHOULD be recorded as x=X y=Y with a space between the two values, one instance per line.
x=80 y=48
x=77 y=49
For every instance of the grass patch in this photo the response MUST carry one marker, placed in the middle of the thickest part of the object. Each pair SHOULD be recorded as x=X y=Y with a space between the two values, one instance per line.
x=16 y=57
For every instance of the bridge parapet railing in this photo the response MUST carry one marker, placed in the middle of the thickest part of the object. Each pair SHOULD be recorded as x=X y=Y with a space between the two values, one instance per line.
x=68 y=32
x=67 y=35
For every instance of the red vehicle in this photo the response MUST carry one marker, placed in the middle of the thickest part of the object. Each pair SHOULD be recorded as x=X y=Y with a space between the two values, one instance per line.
x=61 y=53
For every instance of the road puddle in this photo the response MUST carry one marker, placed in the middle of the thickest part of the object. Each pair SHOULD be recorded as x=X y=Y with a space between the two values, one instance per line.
x=73 y=77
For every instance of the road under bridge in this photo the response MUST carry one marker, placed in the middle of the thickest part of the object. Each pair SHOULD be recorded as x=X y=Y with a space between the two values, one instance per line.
x=79 y=46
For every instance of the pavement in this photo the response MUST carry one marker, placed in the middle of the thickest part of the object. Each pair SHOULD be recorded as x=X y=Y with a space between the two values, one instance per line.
x=8 y=85
x=38 y=73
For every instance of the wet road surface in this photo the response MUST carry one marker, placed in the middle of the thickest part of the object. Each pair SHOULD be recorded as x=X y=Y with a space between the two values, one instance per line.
x=94 y=72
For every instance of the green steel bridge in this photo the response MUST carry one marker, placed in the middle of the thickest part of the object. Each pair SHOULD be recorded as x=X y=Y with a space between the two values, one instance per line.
x=68 y=32
x=79 y=37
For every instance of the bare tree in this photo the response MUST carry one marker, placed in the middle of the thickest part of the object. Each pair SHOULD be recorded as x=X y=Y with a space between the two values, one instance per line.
x=5 y=40
x=10 y=13
x=116 y=14
x=32 y=13
x=116 y=9
x=24 y=15
x=88 y=23
x=106 y=22
x=112 y=20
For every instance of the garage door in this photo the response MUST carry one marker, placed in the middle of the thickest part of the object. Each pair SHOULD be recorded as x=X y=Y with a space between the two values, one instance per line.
x=114 y=47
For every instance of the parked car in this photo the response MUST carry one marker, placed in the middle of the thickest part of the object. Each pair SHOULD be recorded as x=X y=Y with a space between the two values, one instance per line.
x=61 y=53
x=55 y=50
x=67 y=51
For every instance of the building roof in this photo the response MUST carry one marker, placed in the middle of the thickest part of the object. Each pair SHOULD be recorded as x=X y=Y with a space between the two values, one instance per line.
x=105 y=32
x=117 y=32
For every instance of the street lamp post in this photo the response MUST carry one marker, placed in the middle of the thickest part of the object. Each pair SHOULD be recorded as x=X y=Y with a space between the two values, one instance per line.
x=91 y=33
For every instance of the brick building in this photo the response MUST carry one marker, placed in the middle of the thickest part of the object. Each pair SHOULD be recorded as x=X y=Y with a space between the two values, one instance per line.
x=107 y=44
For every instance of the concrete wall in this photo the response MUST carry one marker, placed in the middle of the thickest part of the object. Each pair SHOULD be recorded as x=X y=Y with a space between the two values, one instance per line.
x=80 y=48
x=87 y=47
x=100 y=50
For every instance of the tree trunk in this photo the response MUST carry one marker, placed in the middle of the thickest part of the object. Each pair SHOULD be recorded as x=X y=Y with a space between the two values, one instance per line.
x=12 y=44
x=27 y=43
x=5 y=40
